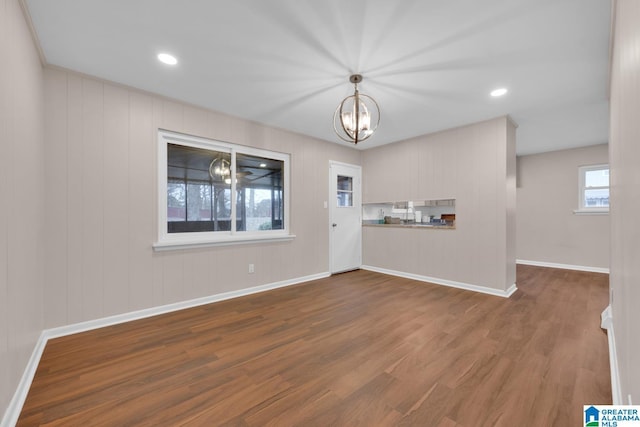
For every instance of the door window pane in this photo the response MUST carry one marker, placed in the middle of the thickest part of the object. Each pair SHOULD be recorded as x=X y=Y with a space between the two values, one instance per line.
x=345 y=183
x=345 y=191
x=345 y=199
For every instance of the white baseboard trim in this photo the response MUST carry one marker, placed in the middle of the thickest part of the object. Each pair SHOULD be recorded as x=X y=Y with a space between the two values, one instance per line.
x=445 y=282
x=607 y=323
x=154 y=311
x=563 y=266
x=15 y=406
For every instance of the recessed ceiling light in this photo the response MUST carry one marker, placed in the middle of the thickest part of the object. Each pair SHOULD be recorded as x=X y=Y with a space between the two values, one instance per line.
x=498 y=92
x=168 y=59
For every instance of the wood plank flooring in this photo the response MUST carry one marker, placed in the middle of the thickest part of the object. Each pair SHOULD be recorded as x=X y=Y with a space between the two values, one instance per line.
x=355 y=349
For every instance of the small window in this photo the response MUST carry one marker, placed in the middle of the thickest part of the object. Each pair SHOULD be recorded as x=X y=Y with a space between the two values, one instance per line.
x=345 y=191
x=594 y=189
x=212 y=192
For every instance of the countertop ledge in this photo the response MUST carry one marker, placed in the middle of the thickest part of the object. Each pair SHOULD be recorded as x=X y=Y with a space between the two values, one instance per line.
x=421 y=226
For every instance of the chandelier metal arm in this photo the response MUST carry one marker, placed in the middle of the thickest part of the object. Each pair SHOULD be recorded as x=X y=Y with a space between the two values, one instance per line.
x=357 y=104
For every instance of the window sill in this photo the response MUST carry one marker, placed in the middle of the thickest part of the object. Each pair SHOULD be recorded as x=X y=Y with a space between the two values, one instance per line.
x=590 y=212
x=236 y=239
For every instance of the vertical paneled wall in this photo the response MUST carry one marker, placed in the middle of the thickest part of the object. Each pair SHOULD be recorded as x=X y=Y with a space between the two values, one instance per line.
x=624 y=154
x=22 y=197
x=510 y=203
x=548 y=230
x=473 y=164
x=101 y=182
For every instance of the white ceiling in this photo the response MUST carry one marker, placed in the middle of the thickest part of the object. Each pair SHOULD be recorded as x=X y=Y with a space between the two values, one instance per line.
x=430 y=64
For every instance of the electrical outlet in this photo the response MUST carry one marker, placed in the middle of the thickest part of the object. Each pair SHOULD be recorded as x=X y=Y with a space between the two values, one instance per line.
x=252 y=269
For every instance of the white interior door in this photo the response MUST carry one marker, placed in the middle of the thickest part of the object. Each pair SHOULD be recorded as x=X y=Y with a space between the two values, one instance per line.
x=345 y=217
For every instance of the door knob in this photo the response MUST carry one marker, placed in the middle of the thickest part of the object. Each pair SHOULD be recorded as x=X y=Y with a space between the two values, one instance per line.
x=334 y=225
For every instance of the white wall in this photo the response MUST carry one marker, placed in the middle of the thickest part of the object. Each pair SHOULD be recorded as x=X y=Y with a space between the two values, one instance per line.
x=22 y=196
x=624 y=157
x=475 y=165
x=547 y=194
x=101 y=186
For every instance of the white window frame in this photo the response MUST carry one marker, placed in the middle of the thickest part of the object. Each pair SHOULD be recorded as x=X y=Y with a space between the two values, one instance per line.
x=168 y=241
x=582 y=208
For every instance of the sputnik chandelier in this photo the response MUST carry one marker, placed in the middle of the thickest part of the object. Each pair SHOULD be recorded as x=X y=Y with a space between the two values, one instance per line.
x=220 y=169
x=357 y=116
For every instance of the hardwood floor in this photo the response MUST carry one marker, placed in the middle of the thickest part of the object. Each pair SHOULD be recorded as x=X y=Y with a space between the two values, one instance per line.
x=356 y=349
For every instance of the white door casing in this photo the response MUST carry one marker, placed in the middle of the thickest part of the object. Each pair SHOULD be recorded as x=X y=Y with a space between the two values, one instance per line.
x=345 y=217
